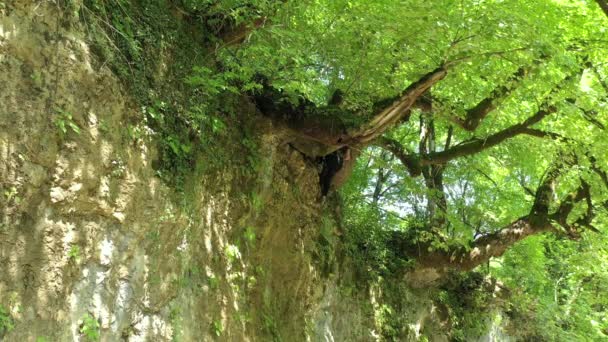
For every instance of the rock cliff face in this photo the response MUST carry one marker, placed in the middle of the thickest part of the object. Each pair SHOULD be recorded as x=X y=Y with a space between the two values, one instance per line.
x=94 y=245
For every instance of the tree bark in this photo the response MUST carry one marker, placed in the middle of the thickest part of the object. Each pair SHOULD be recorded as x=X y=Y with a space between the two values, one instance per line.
x=316 y=132
x=475 y=115
x=409 y=159
x=432 y=264
x=433 y=175
x=479 y=145
x=485 y=247
x=399 y=109
x=235 y=35
x=415 y=163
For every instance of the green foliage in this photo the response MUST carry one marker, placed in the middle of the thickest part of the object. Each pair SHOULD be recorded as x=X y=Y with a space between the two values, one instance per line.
x=104 y=126
x=65 y=123
x=371 y=238
x=213 y=282
x=326 y=244
x=175 y=317
x=12 y=195
x=236 y=10
x=74 y=253
x=557 y=289
x=210 y=83
x=270 y=326
x=118 y=168
x=153 y=53
x=6 y=321
x=253 y=156
x=249 y=236
x=257 y=203
x=232 y=253
x=468 y=305
x=217 y=327
x=384 y=317
x=36 y=78
x=90 y=328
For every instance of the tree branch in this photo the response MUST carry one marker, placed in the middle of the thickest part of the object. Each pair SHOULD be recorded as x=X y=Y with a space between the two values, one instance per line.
x=319 y=131
x=495 y=244
x=235 y=35
x=399 y=109
x=475 y=115
x=603 y=175
x=588 y=115
x=603 y=5
x=408 y=159
x=542 y=134
x=478 y=145
x=415 y=162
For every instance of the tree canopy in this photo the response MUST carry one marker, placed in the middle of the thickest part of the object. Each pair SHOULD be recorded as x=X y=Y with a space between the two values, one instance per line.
x=461 y=127
x=481 y=121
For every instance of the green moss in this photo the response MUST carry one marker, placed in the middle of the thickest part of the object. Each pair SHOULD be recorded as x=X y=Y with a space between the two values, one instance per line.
x=6 y=321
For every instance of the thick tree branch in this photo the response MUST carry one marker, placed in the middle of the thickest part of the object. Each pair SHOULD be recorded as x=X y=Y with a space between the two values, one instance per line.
x=495 y=244
x=433 y=175
x=475 y=115
x=539 y=220
x=415 y=162
x=448 y=140
x=544 y=192
x=542 y=134
x=478 y=145
x=408 y=159
x=434 y=264
x=399 y=109
x=319 y=131
x=567 y=204
x=348 y=165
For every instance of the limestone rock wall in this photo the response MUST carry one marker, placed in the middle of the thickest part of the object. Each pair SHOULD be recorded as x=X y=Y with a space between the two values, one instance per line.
x=92 y=241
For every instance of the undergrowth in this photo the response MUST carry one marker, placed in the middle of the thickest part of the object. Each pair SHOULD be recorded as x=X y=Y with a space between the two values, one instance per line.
x=161 y=50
